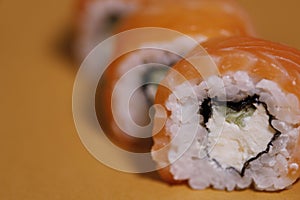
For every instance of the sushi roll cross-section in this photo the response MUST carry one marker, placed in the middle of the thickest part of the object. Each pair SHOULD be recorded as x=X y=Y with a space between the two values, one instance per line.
x=236 y=128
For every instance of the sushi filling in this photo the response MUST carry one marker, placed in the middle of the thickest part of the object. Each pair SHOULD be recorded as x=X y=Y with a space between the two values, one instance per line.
x=247 y=131
x=150 y=80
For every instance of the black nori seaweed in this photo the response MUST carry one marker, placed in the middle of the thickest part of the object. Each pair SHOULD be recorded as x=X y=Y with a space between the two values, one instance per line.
x=112 y=20
x=206 y=111
x=144 y=90
x=249 y=101
x=147 y=81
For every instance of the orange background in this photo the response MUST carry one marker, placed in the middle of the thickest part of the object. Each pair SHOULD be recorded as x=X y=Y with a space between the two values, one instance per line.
x=41 y=156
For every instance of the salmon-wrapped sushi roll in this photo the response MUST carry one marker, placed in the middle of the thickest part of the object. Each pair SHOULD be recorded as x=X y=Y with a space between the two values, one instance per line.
x=199 y=19
x=236 y=127
x=96 y=20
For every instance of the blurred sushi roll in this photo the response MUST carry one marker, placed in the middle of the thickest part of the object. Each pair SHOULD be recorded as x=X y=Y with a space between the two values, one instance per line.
x=248 y=137
x=96 y=20
x=199 y=19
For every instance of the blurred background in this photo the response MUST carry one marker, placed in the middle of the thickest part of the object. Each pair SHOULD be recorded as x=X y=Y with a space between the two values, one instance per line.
x=41 y=156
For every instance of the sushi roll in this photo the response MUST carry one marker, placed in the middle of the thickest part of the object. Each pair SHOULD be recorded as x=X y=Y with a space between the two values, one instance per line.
x=202 y=20
x=96 y=21
x=237 y=127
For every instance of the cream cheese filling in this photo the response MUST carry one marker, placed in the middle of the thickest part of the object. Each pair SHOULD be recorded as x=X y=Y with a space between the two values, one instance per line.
x=243 y=136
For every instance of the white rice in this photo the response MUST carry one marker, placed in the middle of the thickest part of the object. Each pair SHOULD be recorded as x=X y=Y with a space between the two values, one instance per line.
x=187 y=157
